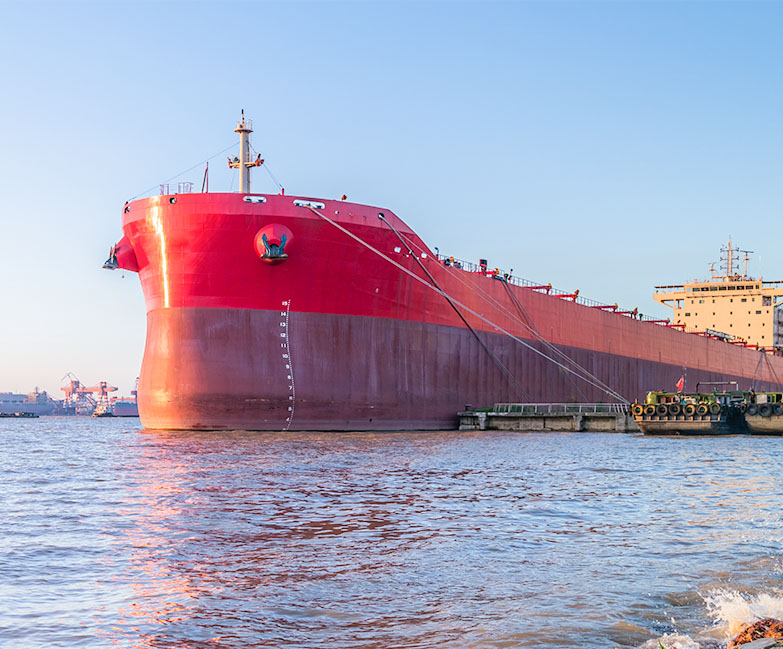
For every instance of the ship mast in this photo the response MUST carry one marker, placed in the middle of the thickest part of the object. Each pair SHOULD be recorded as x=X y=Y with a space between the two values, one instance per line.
x=244 y=128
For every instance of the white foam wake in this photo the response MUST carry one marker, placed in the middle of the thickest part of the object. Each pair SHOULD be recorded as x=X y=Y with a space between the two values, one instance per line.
x=734 y=610
x=672 y=641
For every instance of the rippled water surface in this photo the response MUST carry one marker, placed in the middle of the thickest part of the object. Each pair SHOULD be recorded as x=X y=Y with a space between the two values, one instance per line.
x=114 y=536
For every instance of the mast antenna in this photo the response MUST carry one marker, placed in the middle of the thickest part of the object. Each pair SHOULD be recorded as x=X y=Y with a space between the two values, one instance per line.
x=243 y=161
x=728 y=260
x=747 y=254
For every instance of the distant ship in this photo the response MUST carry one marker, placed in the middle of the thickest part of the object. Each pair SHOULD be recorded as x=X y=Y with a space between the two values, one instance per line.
x=115 y=406
x=277 y=312
x=34 y=403
x=124 y=408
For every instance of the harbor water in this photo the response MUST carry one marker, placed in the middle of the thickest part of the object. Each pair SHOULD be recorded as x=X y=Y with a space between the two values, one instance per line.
x=117 y=537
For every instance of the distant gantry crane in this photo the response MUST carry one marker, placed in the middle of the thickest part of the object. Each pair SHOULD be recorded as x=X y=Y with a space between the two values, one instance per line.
x=85 y=400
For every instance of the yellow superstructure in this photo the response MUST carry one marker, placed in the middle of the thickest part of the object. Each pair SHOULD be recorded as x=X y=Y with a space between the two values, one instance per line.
x=733 y=306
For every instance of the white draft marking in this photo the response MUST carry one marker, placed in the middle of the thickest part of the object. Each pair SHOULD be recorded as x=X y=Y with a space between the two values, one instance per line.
x=285 y=346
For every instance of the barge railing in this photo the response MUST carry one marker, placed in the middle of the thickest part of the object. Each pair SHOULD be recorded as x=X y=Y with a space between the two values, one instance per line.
x=561 y=408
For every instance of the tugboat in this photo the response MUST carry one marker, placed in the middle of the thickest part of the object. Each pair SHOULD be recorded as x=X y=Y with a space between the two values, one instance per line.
x=697 y=413
x=102 y=410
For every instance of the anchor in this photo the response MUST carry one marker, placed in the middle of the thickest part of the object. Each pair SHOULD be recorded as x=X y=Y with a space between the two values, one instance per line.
x=273 y=251
x=272 y=243
x=111 y=263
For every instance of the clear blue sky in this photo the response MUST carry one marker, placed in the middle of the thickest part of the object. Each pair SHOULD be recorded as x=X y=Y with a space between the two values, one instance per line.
x=607 y=147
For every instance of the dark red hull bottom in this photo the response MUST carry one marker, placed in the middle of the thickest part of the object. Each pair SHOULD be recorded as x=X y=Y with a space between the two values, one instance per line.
x=210 y=368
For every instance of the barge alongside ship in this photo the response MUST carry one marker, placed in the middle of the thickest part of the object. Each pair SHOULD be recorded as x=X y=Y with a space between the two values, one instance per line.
x=729 y=412
x=276 y=312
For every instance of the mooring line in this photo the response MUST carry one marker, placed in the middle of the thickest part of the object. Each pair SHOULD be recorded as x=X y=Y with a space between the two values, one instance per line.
x=484 y=346
x=374 y=250
x=529 y=326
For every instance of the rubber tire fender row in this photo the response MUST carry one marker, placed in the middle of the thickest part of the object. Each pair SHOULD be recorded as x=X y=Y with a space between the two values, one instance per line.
x=702 y=409
x=689 y=409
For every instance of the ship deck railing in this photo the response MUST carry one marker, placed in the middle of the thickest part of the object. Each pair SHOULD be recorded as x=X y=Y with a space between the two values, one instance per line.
x=560 y=408
x=546 y=289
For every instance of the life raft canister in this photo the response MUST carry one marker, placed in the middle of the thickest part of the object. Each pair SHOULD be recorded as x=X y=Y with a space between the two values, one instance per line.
x=272 y=243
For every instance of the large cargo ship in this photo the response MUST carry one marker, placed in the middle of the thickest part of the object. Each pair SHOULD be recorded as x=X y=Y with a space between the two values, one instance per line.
x=276 y=312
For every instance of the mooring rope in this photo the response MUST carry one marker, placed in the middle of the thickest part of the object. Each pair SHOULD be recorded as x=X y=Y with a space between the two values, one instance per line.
x=612 y=393
x=486 y=348
x=529 y=326
x=772 y=369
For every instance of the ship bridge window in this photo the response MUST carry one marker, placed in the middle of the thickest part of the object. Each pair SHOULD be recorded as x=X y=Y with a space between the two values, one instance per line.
x=732 y=288
x=721 y=288
x=713 y=288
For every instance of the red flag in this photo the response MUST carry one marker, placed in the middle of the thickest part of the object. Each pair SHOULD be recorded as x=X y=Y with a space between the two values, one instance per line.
x=681 y=384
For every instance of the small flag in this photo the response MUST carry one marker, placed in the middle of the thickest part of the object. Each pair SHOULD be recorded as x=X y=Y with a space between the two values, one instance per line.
x=681 y=384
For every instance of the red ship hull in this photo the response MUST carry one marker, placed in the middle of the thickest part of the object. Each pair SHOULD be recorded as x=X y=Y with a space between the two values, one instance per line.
x=347 y=333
